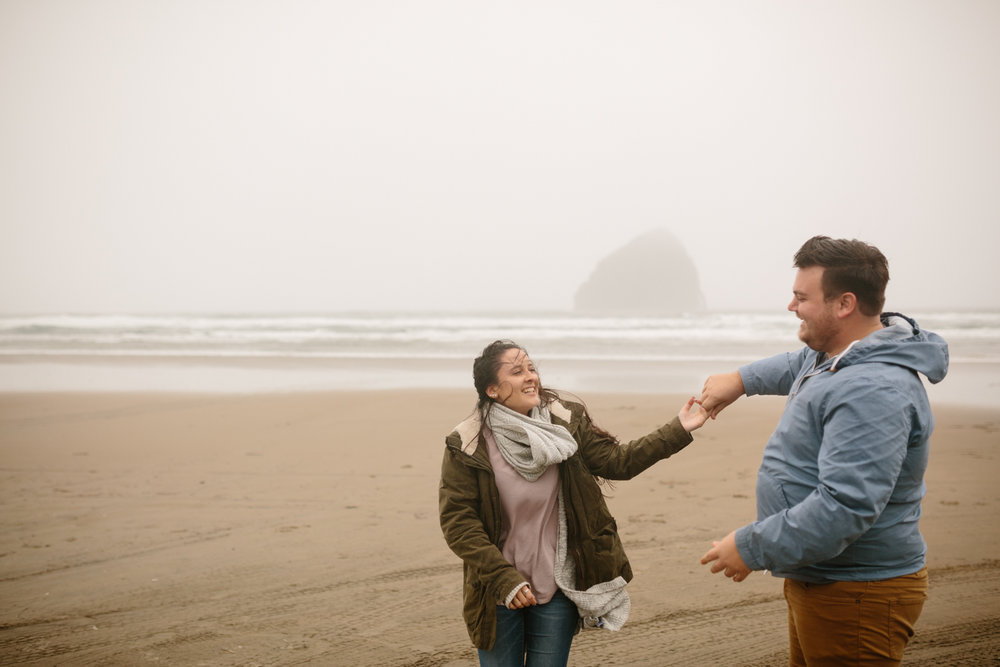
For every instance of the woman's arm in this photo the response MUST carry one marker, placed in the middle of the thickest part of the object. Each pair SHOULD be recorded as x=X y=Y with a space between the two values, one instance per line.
x=607 y=458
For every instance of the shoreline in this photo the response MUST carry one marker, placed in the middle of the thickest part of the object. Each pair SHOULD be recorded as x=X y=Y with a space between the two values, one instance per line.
x=968 y=382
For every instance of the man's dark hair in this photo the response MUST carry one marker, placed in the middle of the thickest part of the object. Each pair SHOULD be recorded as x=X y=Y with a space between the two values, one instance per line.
x=848 y=266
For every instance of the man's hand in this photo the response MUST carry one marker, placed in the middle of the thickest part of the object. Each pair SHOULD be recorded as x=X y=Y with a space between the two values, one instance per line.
x=719 y=391
x=727 y=559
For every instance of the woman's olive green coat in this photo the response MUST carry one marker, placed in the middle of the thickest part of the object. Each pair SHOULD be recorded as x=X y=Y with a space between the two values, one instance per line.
x=470 y=508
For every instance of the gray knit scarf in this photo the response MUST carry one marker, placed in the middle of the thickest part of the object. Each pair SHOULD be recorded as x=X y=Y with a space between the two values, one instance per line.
x=530 y=443
x=604 y=605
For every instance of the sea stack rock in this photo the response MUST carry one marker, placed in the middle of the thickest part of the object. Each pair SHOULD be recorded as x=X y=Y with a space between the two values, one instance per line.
x=651 y=276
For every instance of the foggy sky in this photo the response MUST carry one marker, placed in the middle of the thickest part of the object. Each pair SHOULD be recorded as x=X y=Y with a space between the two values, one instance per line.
x=321 y=156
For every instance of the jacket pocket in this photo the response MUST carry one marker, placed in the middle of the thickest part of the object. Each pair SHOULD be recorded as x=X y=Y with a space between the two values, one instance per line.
x=771 y=497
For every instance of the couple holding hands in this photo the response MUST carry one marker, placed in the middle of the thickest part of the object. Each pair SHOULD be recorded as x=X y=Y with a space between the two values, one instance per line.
x=838 y=490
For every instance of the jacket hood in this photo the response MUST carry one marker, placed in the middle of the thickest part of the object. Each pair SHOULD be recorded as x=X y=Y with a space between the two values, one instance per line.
x=903 y=343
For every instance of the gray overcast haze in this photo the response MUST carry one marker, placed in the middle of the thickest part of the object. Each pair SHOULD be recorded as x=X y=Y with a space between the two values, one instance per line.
x=321 y=156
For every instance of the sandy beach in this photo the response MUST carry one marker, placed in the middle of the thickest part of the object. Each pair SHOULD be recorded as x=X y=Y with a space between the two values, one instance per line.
x=301 y=528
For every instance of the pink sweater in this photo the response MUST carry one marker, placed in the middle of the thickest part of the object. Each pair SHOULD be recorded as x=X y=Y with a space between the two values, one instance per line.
x=530 y=512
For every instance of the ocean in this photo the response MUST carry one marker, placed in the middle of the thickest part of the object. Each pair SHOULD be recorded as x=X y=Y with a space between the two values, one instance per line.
x=287 y=352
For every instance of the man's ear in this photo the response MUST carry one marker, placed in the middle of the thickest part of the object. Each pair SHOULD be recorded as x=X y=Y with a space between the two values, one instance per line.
x=847 y=303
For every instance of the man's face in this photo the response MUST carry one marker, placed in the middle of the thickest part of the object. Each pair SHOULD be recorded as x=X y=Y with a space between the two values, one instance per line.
x=819 y=324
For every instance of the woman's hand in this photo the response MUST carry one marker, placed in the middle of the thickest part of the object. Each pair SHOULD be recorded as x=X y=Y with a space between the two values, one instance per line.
x=692 y=415
x=524 y=598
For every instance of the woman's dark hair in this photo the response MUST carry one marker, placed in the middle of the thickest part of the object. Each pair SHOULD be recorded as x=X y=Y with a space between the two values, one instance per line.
x=848 y=266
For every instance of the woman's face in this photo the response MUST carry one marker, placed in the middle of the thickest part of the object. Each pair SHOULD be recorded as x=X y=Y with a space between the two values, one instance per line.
x=517 y=382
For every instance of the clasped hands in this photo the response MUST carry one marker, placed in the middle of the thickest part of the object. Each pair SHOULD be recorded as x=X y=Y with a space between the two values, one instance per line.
x=718 y=392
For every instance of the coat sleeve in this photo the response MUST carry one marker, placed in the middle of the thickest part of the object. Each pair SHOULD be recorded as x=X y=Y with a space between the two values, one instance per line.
x=460 y=505
x=607 y=458
x=773 y=376
x=864 y=443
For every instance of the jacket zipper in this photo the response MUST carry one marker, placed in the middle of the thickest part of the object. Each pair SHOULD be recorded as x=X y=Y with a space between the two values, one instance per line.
x=798 y=383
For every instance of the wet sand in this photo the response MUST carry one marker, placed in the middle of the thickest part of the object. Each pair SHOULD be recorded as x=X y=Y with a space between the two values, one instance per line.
x=301 y=528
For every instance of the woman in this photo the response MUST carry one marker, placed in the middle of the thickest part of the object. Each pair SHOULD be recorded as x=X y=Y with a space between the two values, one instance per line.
x=521 y=505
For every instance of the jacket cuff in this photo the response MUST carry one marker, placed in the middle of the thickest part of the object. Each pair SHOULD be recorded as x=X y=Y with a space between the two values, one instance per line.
x=751 y=387
x=675 y=436
x=744 y=544
x=502 y=586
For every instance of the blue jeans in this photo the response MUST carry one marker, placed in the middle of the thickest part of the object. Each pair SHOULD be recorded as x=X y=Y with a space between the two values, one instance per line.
x=538 y=636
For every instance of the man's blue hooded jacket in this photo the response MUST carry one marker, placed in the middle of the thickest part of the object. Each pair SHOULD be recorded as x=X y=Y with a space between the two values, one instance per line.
x=842 y=477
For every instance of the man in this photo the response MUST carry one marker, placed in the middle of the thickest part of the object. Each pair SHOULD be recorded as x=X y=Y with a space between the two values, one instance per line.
x=841 y=480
